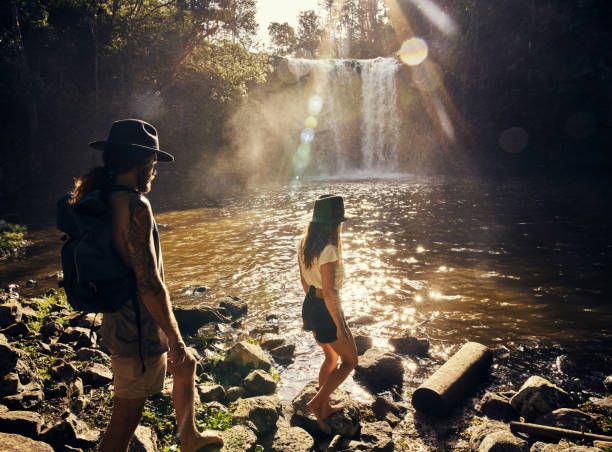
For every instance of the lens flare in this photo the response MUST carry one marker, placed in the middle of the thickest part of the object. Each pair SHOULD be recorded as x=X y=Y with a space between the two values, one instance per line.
x=413 y=51
x=307 y=135
x=514 y=140
x=301 y=158
x=420 y=249
x=315 y=105
x=311 y=122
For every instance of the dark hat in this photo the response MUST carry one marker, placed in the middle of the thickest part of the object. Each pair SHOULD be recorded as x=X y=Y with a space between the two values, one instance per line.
x=328 y=209
x=133 y=135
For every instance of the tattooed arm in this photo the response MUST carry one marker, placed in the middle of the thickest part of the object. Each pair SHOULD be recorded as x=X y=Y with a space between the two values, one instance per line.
x=141 y=253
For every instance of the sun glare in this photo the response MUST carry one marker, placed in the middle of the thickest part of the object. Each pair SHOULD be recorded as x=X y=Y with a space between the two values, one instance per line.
x=413 y=51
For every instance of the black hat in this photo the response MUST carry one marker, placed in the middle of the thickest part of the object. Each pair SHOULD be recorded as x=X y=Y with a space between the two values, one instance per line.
x=328 y=209
x=133 y=135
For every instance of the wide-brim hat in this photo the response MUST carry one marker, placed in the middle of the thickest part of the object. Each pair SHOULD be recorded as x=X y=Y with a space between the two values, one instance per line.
x=133 y=135
x=328 y=209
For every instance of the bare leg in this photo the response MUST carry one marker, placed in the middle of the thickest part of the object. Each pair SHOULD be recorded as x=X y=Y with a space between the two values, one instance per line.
x=329 y=364
x=124 y=420
x=183 y=397
x=348 y=355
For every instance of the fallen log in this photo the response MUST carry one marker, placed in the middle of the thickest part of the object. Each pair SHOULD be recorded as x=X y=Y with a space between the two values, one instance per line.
x=556 y=433
x=459 y=376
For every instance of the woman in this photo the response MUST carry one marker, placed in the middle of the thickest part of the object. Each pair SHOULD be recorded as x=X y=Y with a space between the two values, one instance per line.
x=321 y=273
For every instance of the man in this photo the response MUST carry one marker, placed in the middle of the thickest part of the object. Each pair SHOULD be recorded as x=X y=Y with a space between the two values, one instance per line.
x=142 y=336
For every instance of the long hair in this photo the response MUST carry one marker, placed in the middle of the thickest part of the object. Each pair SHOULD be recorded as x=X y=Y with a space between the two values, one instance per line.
x=317 y=237
x=116 y=162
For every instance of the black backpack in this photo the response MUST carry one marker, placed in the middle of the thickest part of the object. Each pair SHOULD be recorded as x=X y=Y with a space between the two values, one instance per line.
x=95 y=277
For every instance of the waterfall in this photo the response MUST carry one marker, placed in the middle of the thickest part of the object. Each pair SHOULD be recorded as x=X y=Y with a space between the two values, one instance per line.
x=380 y=115
x=360 y=122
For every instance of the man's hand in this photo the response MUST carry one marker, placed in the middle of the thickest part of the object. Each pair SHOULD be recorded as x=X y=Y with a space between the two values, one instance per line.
x=177 y=353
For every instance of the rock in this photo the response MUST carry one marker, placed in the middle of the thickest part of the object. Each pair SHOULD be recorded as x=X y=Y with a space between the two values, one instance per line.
x=380 y=370
x=377 y=436
x=71 y=431
x=24 y=423
x=89 y=320
x=602 y=444
x=238 y=439
x=363 y=343
x=244 y=354
x=270 y=341
x=479 y=432
x=292 y=439
x=63 y=371
x=211 y=392
x=16 y=330
x=502 y=441
x=345 y=423
x=78 y=336
x=10 y=313
x=271 y=317
x=570 y=419
x=604 y=405
x=56 y=391
x=263 y=411
x=51 y=328
x=261 y=330
x=258 y=383
x=10 y=385
x=76 y=388
x=89 y=354
x=407 y=345
x=61 y=349
x=17 y=443
x=28 y=397
x=392 y=419
x=97 y=375
x=191 y=319
x=13 y=360
x=537 y=397
x=144 y=440
x=608 y=383
x=234 y=307
x=498 y=407
x=283 y=353
x=79 y=404
x=208 y=332
x=28 y=314
x=382 y=406
x=234 y=393
x=30 y=283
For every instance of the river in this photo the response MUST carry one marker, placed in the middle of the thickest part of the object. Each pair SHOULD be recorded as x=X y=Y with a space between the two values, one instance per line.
x=503 y=264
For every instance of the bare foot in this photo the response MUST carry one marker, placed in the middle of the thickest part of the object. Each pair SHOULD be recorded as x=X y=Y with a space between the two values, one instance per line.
x=328 y=410
x=206 y=438
x=316 y=411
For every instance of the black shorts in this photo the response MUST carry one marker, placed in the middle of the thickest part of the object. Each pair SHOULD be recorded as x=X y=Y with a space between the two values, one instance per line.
x=316 y=318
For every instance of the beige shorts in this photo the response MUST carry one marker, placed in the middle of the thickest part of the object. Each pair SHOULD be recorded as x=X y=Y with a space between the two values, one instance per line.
x=131 y=382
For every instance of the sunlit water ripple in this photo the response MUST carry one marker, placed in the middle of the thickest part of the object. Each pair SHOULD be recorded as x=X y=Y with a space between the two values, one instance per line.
x=438 y=259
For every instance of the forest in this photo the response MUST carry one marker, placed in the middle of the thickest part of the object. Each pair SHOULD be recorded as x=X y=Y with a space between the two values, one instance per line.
x=69 y=68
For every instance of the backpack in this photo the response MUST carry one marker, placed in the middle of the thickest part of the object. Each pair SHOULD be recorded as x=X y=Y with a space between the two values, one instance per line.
x=95 y=277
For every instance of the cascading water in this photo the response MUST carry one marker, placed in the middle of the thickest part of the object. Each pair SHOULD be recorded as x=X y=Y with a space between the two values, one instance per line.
x=360 y=122
x=380 y=115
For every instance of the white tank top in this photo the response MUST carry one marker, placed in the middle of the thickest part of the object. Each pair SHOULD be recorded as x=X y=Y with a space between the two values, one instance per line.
x=312 y=275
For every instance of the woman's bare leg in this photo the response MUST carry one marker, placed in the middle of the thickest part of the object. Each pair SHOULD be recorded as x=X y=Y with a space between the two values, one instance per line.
x=329 y=364
x=347 y=350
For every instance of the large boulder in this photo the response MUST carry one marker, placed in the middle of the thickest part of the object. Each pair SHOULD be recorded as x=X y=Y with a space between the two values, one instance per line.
x=270 y=341
x=496 y=406
x=17 y=443
x=26 y=423
x=345 y=422
x=408 y=345
x=247 y=355
x=363 y=343
x=291 y=439
x=283 y=353
x=72 y=432
x=28 y=397
x=570 y=419
x=234 y=307
x=380 y=370
x=377 y=436
x=262 y=411
x=191 y=319
x=539 y=396
x=97 y=375
x=211 y=393
x=13 y=360
x=144 y=440
x=10 y=313
x=259 y=383
x=239 y=438
x=502 y=441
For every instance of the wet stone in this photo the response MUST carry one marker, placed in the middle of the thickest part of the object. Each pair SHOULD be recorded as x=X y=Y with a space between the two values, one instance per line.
x=283 y=353
x=234 y=307
x=408 y=345
x=380 y=370
x=498 y=407
x=537 y=397
x=363 y=343
x=270 y=341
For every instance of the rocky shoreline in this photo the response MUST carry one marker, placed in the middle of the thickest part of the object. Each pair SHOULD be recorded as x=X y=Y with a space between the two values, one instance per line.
x=56 y=391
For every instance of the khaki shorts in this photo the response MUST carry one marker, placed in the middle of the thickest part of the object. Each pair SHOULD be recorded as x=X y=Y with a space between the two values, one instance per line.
x=131 y=382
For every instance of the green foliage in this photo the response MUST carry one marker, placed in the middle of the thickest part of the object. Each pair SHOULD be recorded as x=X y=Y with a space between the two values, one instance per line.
x=259 y=448
x=12 y=240
x=282 y=38
x=367 y=415
x=275 y=374
x=159 y=415
x=251 y=340
x=44 y=306
x=208 y=418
